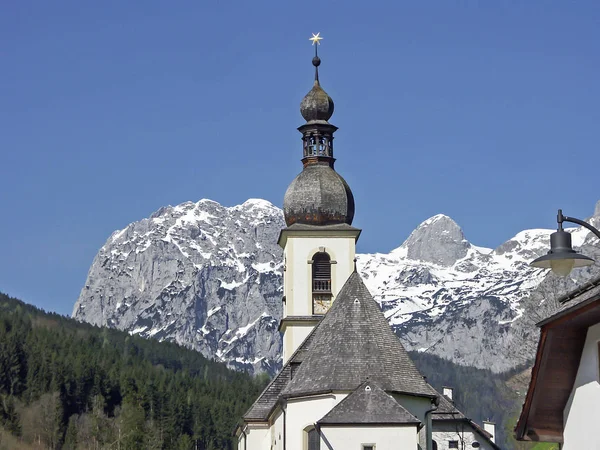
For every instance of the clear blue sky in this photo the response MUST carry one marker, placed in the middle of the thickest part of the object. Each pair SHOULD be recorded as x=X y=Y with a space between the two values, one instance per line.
x=486 y=111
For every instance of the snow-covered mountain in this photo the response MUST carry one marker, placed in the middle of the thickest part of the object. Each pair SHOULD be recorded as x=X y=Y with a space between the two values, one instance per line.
x=209 y=277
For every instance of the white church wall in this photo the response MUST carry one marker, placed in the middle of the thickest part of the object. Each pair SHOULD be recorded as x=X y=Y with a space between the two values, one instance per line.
x=384 y=438
x=417 y=406
x=583 y=407
x=277 y=431
x=305 y=412
x=463 y=433
x=255 y=436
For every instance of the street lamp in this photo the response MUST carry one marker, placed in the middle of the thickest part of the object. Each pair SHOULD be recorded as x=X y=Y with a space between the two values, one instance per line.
x=562 y=258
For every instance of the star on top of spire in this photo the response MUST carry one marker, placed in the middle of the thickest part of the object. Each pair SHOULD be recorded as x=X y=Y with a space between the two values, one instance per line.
x=315 y=38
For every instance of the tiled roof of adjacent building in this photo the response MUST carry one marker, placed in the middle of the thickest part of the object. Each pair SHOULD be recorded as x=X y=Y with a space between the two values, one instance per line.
x=354 y=342
x=368 y=404
x=447 y=411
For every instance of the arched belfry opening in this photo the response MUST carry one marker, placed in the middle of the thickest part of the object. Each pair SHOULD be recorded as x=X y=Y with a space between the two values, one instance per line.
x=321 y=282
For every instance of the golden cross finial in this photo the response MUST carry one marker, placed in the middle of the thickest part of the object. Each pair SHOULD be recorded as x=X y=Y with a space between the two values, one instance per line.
x=315 y=38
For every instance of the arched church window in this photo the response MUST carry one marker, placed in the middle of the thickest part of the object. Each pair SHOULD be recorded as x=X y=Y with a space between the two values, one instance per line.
x=321 y=283
x=314 y=441
x=434 y=445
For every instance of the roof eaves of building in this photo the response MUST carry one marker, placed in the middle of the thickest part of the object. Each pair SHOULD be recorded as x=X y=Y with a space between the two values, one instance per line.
x=307 y=394
x=299 y=229
x=369 y=424
x=414 y=394
x=298 y=319
x=521 y=423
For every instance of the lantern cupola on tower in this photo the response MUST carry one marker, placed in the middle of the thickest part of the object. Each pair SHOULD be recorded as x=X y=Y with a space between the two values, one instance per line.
x=318 y=195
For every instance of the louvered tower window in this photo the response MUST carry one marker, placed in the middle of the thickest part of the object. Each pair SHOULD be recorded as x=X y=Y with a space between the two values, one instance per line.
x=321 y=283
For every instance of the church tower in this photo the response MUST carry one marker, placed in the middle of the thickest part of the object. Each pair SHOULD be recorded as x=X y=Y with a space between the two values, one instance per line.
x=347 y=381
x=319 y=243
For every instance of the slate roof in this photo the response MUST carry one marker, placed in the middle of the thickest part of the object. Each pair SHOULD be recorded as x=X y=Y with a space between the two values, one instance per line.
x=352 y=343
x=447 y=411
x=264 y=404
x=368 y=404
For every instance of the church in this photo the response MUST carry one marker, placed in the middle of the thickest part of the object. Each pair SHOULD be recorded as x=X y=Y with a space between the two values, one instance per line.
x=347 y=382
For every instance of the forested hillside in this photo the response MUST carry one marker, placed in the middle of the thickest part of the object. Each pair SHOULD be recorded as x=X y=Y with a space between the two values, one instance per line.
x=65 y=384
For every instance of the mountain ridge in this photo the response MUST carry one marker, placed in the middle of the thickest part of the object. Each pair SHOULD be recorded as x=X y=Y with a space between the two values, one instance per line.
x=210 y=277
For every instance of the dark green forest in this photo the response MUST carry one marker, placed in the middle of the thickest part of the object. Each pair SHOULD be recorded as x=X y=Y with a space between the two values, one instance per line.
x=69 y=385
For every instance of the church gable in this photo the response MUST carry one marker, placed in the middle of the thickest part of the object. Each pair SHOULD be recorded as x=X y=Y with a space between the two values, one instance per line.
x=368 y=405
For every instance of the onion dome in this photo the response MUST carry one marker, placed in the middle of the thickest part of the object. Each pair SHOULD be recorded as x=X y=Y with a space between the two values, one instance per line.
x=316 y=105
x=318 y=196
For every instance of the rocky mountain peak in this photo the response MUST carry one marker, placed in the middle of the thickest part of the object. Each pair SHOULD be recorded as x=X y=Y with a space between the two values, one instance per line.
x=597 y=209
x=210 y=277
x=437 y=240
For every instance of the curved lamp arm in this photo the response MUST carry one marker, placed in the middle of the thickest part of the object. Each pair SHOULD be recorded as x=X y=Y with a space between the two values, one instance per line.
x=560 y=218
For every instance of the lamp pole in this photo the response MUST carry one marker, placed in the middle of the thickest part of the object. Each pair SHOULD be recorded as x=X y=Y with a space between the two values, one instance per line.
x=562 y=258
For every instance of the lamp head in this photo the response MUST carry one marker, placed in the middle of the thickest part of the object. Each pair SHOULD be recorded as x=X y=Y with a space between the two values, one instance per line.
x=561 y=258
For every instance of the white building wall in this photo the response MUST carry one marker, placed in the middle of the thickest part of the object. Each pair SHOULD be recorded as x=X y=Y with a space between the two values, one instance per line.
x=304 y=413
x=277 y=432
x=256 y=436
x=582 y=413
x=417 y=406
x=462 y=432
x=384 y=438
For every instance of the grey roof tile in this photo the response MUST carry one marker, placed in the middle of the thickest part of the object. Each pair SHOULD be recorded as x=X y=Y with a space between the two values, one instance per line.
x=354 y=342
x=264 y=404
x=368 y=404
x=447 y=411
